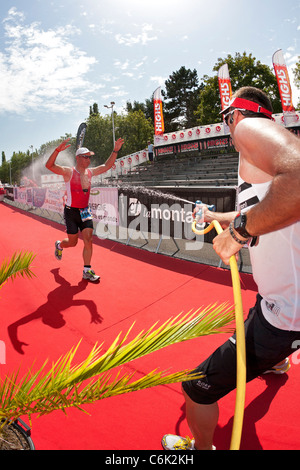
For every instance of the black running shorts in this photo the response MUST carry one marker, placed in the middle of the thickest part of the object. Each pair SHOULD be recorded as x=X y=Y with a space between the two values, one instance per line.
x=73 y=221
x=266 y=346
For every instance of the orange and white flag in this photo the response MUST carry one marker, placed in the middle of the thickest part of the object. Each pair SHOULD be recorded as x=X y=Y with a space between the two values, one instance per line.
x=224 y=86
x=284 y=86
x=225 y=91
x=159 y=126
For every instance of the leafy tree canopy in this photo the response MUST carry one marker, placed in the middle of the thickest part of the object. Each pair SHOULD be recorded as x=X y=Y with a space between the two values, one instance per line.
x=134 y=127
x=244 y=70
x=297 y=78
x=181 y=99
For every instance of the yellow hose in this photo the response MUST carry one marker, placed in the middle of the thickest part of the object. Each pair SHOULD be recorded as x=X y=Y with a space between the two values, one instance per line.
x=240 y=343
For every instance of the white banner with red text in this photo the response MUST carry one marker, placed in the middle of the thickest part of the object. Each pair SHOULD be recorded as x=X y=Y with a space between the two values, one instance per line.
x=103 y=201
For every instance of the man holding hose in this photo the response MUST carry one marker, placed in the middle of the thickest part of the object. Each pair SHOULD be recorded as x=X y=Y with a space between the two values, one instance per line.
x=268 y=221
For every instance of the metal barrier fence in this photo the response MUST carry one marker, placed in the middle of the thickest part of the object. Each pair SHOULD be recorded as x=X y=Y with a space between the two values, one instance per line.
x=152 y=219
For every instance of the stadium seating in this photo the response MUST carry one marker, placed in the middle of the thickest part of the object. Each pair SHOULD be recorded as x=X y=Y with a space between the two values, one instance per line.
x=212 y=170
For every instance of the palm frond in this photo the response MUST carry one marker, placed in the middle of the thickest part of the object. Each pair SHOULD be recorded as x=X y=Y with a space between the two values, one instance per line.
x=19 y=264
x=65 y=385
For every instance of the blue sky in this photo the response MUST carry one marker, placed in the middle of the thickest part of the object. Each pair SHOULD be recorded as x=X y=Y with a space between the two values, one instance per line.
x=59 y=57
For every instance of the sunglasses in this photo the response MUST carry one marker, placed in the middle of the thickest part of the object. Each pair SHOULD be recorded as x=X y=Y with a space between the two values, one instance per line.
x=85 y=156
x=226 y=116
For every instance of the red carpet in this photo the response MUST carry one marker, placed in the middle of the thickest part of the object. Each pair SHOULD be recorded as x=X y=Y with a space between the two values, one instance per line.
x=44 y=317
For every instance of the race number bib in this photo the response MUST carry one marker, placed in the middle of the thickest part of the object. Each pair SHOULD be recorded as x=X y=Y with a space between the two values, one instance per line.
x=86 y=214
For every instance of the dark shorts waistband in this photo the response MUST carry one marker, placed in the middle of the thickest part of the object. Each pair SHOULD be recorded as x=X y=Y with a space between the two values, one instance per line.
x=75 y=208
x=266 y=346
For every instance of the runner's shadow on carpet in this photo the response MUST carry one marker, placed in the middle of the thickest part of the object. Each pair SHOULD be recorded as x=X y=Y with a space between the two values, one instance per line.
x=58 y=300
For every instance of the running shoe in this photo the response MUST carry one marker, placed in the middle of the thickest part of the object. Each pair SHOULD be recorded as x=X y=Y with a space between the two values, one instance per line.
x=173 y=442
x=58 y=252
x=282 y=369
x=90 y=276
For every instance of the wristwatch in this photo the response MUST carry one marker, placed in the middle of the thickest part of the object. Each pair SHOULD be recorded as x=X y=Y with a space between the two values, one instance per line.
x=239 y=225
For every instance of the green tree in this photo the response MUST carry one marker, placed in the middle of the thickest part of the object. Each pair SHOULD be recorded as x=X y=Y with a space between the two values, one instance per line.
x=4 y=173
x=181 y=99
x=98 y=137
x=46 y=149
x=4 y=170
x=94 y=110
x=136 y=106
x=136 y=130
x=149 y=113
x=244 y=70
x=146 y=108
x=133 y=127
x=297 y=78
x=19 y=162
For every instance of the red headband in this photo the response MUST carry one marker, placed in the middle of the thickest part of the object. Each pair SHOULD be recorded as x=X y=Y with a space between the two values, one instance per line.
x=248 y=106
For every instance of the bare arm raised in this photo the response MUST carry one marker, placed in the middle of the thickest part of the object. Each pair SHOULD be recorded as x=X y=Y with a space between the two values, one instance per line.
x=110 y=161
x=57 y=169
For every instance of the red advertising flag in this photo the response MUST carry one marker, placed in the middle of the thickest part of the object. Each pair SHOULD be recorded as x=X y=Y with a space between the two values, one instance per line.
x=159 y=126
x=225 y=90
x=284 y=86
x=224 y=86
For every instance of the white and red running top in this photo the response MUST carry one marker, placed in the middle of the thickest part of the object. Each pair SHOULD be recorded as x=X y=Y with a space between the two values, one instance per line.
x=76 y=197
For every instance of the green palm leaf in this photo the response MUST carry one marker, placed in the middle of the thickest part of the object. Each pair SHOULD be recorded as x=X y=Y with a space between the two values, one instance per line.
x=66 y=385
x=19 y=264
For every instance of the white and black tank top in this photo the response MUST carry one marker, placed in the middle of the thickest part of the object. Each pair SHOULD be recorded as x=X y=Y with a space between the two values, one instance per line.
x=275 y=264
